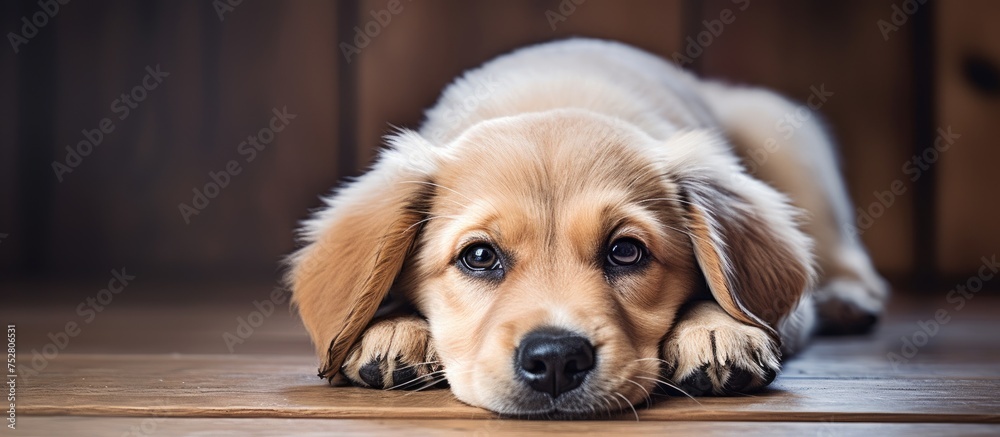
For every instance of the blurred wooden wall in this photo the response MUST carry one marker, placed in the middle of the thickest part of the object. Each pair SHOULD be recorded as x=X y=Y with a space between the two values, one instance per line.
x=120 y=206
x=967 y=73
x=890 y=93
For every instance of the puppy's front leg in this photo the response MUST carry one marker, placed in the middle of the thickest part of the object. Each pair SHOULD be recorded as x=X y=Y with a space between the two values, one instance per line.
x=395 y=352
x=710 y=353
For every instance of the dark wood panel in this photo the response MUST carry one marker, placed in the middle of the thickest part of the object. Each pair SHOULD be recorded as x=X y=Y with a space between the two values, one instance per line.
x=427 y=44
x=793 y=47
x=11 y=120
x=121 y=206
x=968 y=91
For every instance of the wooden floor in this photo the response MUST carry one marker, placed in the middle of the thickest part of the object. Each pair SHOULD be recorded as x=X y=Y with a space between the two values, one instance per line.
x=165 y=369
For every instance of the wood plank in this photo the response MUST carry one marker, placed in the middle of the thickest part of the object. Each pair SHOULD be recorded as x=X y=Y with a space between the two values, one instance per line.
x=347 y=427
x=952 y=377
x=268 y=386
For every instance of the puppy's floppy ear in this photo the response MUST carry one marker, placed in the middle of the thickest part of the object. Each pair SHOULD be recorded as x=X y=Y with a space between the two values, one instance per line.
x=356 y=246
x=756 y=260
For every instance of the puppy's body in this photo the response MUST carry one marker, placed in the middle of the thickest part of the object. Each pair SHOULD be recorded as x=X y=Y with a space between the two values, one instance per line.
x=553 y=221
x=661 y=99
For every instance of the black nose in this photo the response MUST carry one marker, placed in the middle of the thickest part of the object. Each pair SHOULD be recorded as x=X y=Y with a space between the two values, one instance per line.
x=553 y=361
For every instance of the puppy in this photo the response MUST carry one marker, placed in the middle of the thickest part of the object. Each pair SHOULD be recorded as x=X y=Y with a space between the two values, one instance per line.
x=571 y=228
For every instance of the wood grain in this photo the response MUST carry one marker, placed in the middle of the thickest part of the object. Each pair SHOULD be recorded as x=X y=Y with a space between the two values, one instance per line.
x=263 y=386
x=953 y=377
x=87 y=426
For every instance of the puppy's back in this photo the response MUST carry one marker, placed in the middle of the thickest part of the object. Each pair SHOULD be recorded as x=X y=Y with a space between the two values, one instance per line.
x=601 y=76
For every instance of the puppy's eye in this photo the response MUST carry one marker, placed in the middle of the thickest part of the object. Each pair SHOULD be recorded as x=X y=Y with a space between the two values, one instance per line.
x=480 y=257
x=625 y=252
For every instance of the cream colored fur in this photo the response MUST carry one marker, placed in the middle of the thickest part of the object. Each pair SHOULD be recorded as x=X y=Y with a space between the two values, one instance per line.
x=549 y=153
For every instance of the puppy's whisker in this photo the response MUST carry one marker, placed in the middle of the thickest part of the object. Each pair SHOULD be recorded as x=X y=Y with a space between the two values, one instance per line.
x=663 y=362
x=420 y=364
x=428 y=385
x=668 y=384
x=667 y=199
x=454 y=191
x=610 y=408
x=434 y=374
x=417 y=379
x=440 y=375
x=620 y=407
x=688 y=233
x=658 y=199
x=648 y=398
x=654 y=359
x=629 y=405
x=450 y=217
x=442 y=187
x=407 y=383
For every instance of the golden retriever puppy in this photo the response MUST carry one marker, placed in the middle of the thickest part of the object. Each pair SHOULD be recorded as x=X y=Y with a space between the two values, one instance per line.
x=572 y=228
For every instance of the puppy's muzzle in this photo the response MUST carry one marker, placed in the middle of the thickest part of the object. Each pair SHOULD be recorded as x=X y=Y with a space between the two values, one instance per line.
x=553 y=361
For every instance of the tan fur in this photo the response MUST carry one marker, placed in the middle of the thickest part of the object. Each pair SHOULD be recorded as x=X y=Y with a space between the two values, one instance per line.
x=580 y=143
x=802 y=164
x=353 y=256
x=552 y=209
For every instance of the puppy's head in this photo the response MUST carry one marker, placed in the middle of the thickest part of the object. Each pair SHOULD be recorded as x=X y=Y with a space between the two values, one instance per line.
x=550 y=253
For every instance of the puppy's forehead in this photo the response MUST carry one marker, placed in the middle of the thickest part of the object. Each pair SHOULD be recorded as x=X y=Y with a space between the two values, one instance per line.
x=543 y=177
x=550 y=157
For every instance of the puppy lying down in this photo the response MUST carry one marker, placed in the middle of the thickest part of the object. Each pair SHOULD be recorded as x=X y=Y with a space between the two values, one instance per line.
x=581 y=233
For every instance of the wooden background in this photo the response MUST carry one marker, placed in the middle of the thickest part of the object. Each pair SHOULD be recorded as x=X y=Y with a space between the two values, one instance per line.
x=120 y=206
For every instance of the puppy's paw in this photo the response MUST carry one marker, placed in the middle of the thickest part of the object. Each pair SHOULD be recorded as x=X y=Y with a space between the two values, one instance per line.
x=846 y=306
x=710 y=353
x=393 y=353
